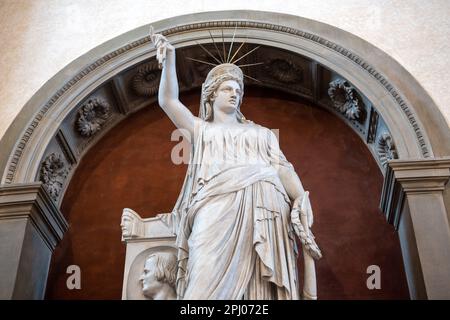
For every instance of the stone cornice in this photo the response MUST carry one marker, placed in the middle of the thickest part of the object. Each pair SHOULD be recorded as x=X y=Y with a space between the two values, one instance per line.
x=411 y=177
x=422 y=175
x=31 y=201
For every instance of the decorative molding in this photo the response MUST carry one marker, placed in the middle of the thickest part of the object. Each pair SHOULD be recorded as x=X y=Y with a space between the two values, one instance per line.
x=53 y=173
x=32 y=226
x=284 y=71
x=119 y=95
x=373 y=124
x=409 y=177
x=65 y=146
x=19 y=148
x=146 y=80
x=315 y=80
x=386 y=149
x=92 y=115
x=322 y=41
x=40 y=115
x=343 y=96
x=31 y=201
x=392 y=198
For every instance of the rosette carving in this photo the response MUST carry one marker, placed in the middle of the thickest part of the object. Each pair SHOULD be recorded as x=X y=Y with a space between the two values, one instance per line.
x=146 y=80
x=344 y=99
x=53 y=173
x=92 y=116
x=386 y=149
x=285 y=71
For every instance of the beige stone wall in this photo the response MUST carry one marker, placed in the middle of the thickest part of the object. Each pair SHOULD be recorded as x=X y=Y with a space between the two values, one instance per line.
x=40 y=37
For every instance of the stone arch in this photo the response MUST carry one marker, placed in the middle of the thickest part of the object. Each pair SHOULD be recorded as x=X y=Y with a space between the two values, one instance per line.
x=401 y=116
x=39 y=138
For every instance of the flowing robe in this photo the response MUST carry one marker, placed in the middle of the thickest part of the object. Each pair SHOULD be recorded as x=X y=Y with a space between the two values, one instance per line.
x=234 y=236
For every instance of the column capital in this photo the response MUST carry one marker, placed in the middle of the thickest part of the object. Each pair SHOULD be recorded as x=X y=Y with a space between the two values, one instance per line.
x=31 y=201
x=421 y=175
x=411 y=177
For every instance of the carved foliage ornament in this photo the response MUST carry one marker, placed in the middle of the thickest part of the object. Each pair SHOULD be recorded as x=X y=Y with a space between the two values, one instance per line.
x=146 y=80
x=285 y=71
x=92 y=116
x=344 y=99
x=386 y=149
x=53 y=173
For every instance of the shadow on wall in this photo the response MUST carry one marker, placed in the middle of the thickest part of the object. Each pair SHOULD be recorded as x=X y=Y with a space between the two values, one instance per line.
x=131 y=167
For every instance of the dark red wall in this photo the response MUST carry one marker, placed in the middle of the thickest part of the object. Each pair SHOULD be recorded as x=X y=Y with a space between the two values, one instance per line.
x=131 y=167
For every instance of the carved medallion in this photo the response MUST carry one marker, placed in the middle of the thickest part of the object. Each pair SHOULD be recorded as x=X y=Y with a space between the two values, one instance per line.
x=92 y=116
x=344 y=99
x=285 y=71
x=53 y=173
x=146 y=80
x=386 y=149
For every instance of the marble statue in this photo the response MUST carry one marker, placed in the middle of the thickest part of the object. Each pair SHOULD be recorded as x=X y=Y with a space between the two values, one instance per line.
x=159 y=275
x=241 y=203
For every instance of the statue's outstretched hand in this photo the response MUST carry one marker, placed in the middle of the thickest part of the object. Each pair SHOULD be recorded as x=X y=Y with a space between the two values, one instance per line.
x=162 y=45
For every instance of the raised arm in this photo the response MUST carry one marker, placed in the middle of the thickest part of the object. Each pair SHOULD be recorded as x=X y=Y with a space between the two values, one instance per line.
x=168 y=87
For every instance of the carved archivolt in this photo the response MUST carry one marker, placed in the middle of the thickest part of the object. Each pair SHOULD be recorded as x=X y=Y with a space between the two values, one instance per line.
x=285 y=71
x=53 y=173
x=92 y=116
x=62 y=95
x=386 y=149
x=344 y=99
x=146 y=80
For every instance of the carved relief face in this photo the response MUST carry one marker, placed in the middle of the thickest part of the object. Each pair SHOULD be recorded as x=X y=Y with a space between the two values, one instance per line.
x=150 y=285
x=127 y=225
x=227 y=96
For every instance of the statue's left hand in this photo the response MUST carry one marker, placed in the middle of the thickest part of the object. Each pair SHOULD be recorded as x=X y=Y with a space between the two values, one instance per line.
x=301 y=219
x=297 y=202
x=304 y=205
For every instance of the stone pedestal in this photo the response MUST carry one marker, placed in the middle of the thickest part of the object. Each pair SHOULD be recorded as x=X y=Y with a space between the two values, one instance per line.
x=30 y=228
x=413 y=201
x=143 y=238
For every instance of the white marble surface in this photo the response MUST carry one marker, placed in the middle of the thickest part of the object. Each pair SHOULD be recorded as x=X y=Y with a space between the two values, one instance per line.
x=40 y=37
x=142 y=237
x=237 y=172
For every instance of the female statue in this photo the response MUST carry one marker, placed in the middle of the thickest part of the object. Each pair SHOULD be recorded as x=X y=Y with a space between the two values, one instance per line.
x=241 y=202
